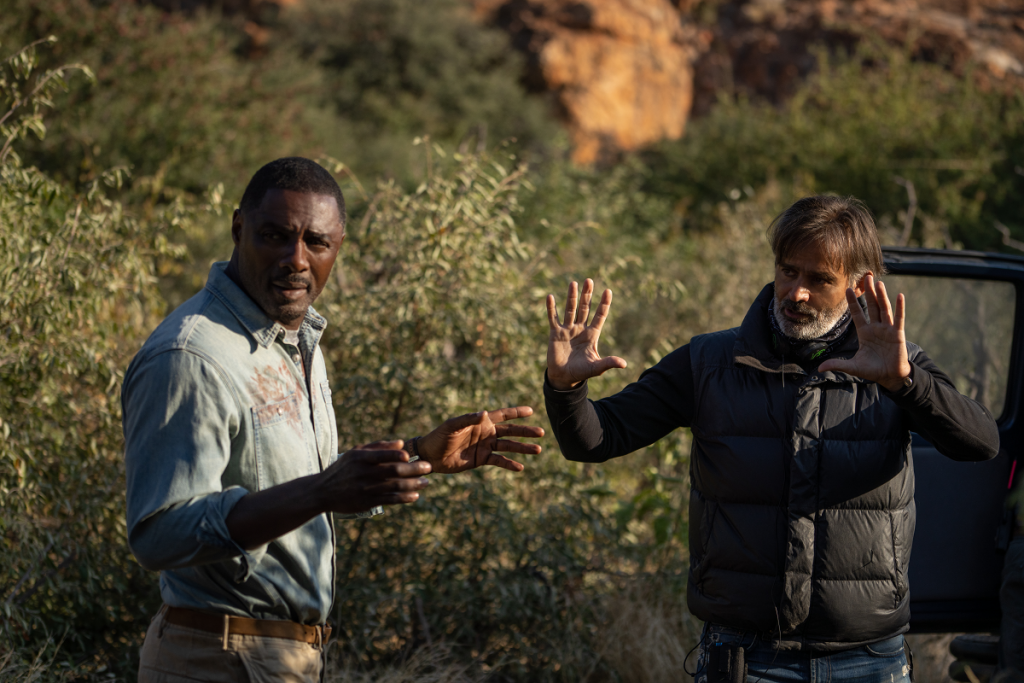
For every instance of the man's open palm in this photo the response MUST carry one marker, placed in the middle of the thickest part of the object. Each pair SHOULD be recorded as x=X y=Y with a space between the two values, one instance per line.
x=882 y=356
x=469 y=441
x=572 y=346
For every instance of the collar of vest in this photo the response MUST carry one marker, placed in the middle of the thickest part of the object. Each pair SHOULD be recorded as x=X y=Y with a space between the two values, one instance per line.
x=754 y=347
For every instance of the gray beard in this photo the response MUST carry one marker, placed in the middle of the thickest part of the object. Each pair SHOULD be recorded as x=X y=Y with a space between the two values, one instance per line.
x=815 y=326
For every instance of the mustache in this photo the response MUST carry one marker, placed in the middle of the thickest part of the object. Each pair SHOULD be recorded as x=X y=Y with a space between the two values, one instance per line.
x=798 y=307
x=293 y=281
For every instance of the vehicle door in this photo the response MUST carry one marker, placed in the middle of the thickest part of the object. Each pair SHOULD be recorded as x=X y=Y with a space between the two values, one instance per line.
x=965 y=310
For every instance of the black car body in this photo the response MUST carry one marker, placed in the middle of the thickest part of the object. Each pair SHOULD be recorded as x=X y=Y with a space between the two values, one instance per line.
x=966 y=309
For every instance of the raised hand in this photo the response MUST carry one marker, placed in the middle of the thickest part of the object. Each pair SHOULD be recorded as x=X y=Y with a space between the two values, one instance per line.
x=882 y=356
x=473 y=440
x=572 y=346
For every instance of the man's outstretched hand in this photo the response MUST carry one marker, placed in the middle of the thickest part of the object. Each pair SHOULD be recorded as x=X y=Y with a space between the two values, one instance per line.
x=882 y=356
x=572 y=346
x=378 y=473
x=474 y=440
x=375 y=474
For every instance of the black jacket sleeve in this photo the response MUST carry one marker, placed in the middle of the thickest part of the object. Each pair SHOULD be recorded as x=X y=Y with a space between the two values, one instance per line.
x=959 y=428
x=663 y=399
x=646 y=410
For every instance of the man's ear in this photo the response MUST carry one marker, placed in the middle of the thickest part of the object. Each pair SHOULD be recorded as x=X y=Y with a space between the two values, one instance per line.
x=236 y=226
x=860 y=286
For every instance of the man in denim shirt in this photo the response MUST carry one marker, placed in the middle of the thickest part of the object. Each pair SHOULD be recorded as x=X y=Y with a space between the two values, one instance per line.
x=231 y=449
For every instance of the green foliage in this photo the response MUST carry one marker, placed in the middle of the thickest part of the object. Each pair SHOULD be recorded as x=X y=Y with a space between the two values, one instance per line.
x=430 y=292
x=397 y=69
x=171 y=100
x=21 y=89
x=432 y=321
x=437 y=307
x=179 y=102
x=77 y=288
x=858 y=127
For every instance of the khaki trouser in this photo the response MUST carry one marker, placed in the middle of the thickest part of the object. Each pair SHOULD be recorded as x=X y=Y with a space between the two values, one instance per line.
x=175 y=654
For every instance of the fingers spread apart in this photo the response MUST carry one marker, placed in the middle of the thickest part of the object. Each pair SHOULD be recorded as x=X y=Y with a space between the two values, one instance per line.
x=584 y=308
x=522 y=431
x=602 y=310
x=508 y=446
x=552 y=312
x=570 y=306
x=495 y=460
x=503 y=414
x=577 y=306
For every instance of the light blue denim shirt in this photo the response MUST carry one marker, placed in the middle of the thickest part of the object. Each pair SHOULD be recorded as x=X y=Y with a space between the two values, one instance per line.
x=216 y=405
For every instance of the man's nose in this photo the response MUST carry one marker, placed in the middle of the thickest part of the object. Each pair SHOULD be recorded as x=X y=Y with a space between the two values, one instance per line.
x=296 y=257
x=799 y=293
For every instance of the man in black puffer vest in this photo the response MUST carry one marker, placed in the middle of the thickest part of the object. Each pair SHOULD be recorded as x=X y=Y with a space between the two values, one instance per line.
x=802 y=499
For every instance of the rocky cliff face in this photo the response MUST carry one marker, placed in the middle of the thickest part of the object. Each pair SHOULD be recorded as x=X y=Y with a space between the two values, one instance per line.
x=629 y=72
x=622 y=70
x=763 y=48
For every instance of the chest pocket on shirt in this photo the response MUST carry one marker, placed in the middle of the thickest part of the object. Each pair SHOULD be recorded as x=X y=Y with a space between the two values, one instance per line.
x=330 y=452
x=281 y=450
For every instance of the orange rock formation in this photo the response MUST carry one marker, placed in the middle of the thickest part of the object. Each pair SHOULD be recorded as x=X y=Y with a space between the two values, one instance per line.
x=627 y=73
x=621 y=69
x=630 y=72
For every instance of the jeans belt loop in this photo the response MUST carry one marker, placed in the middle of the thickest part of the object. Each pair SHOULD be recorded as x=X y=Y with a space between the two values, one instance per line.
x=227 y=630
x=162 y=616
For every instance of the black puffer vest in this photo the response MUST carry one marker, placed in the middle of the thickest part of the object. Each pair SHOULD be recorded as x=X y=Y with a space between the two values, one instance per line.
x=802 y=501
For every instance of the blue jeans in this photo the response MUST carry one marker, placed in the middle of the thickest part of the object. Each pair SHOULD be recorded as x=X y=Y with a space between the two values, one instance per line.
x=881 y=662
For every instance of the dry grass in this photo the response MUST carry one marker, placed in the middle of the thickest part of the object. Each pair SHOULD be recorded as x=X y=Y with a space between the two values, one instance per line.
x=648 y=633
x=15 y=669
x=427 y=665
x=931 y=656
x=645 y=637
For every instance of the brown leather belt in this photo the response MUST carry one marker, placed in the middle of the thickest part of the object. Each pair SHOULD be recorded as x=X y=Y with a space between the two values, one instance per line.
x=225 y=624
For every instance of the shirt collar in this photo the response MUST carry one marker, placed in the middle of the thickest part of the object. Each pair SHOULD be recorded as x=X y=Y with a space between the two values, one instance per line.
x=251 y=316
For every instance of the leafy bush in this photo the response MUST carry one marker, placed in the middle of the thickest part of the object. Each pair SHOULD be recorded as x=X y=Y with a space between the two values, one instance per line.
x=437 y=308
x=172 y=101
x=861 y=126
x=431 y=321
x=77 y=288
x=397 y=69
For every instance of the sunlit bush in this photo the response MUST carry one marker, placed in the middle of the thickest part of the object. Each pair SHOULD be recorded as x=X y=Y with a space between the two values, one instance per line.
x=865 y=125
x=77 y=290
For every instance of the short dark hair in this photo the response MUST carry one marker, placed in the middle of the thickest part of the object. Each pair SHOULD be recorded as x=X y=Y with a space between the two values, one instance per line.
x=297 y=174
x=841 y=226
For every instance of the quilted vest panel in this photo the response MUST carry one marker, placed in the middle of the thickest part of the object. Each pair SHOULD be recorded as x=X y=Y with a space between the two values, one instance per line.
x=802 y=501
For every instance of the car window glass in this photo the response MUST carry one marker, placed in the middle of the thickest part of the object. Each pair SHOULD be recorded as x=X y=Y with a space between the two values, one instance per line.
x=965 y=326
